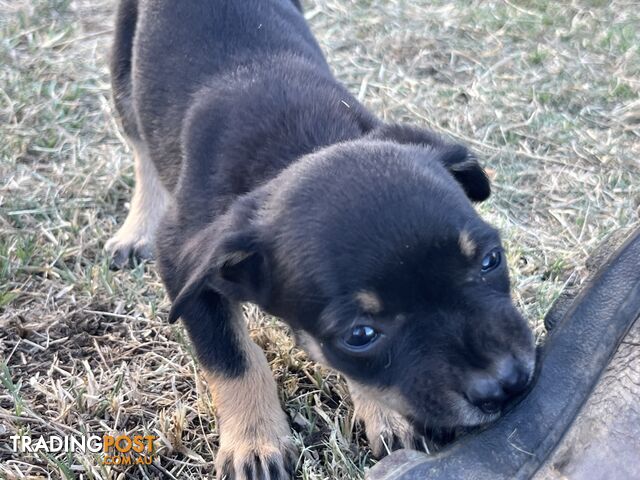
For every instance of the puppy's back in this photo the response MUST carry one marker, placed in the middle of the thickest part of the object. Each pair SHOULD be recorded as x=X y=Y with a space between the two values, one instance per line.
x=181 y=46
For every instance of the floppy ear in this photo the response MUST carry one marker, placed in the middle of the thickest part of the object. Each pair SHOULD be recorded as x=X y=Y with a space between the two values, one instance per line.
x=228 y=264
x=465 y=168
x=456 y=158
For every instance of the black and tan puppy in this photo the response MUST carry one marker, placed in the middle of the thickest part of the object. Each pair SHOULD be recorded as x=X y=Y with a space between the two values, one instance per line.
x=261 y=179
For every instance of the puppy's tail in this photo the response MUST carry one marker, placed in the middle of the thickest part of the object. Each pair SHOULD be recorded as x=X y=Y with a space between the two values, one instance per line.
x=121 y=64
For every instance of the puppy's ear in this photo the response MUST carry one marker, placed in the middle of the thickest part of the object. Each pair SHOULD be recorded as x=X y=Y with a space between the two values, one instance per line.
x=465 y=168
x=405 y=134
x=460 y=162
x=224 y=263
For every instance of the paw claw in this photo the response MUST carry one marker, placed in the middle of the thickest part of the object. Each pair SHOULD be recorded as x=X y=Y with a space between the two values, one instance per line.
x=386 y=441
x=225 y=472
x=253 y=462
x=119 y=259
x=123 y=250
x=143 y=251
x=249 y=469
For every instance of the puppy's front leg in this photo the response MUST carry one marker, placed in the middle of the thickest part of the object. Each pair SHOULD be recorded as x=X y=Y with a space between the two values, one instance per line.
x=255 y=438
x=254 y=434
x=209 y=271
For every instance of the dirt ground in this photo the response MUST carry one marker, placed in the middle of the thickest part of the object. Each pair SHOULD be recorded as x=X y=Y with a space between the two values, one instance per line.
x=546 y=93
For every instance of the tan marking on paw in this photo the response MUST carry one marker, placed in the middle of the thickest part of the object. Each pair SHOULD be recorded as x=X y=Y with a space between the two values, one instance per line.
x=254 y=432
x=148 y=204
x=369 y=302
x=382 y=424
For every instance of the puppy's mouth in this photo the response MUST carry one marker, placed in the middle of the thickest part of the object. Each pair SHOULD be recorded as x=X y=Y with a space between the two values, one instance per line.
x=462 y=415
x=470 y=415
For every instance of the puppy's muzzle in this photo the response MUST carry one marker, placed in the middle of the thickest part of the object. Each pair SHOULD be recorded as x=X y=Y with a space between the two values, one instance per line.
x=491 y=390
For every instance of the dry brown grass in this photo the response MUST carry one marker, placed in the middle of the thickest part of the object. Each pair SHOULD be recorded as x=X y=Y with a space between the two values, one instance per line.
x=546 y=92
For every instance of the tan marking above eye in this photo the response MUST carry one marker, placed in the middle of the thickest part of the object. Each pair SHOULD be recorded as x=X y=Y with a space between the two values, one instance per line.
x=369 y=302
x=467 y=244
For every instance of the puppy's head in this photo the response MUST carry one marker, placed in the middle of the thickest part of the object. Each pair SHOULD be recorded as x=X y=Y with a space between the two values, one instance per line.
x=372 y=251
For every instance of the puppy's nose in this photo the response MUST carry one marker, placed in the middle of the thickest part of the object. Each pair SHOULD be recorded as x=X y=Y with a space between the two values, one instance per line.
x=512 y=375
x=485 y=392
x=489 y=391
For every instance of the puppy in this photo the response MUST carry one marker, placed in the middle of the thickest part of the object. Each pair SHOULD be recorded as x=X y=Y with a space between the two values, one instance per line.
x=263 y=180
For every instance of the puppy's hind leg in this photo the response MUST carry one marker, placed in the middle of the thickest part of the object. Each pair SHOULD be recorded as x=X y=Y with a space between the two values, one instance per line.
x=150 y=199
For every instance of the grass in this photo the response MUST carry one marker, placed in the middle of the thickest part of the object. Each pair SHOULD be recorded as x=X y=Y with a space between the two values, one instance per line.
x=547 y=94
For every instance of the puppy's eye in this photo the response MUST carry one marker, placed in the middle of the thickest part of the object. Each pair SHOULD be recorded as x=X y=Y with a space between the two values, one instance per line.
x=361 y=337
x=491 y=260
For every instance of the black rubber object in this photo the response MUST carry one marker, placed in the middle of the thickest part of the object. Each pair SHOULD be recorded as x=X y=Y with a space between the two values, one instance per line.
x=571 y=363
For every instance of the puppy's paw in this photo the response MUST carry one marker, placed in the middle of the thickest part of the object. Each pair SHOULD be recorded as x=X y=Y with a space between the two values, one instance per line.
x=261 y=457
x=389 y=431
x=129 y=243
x=386 y=430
